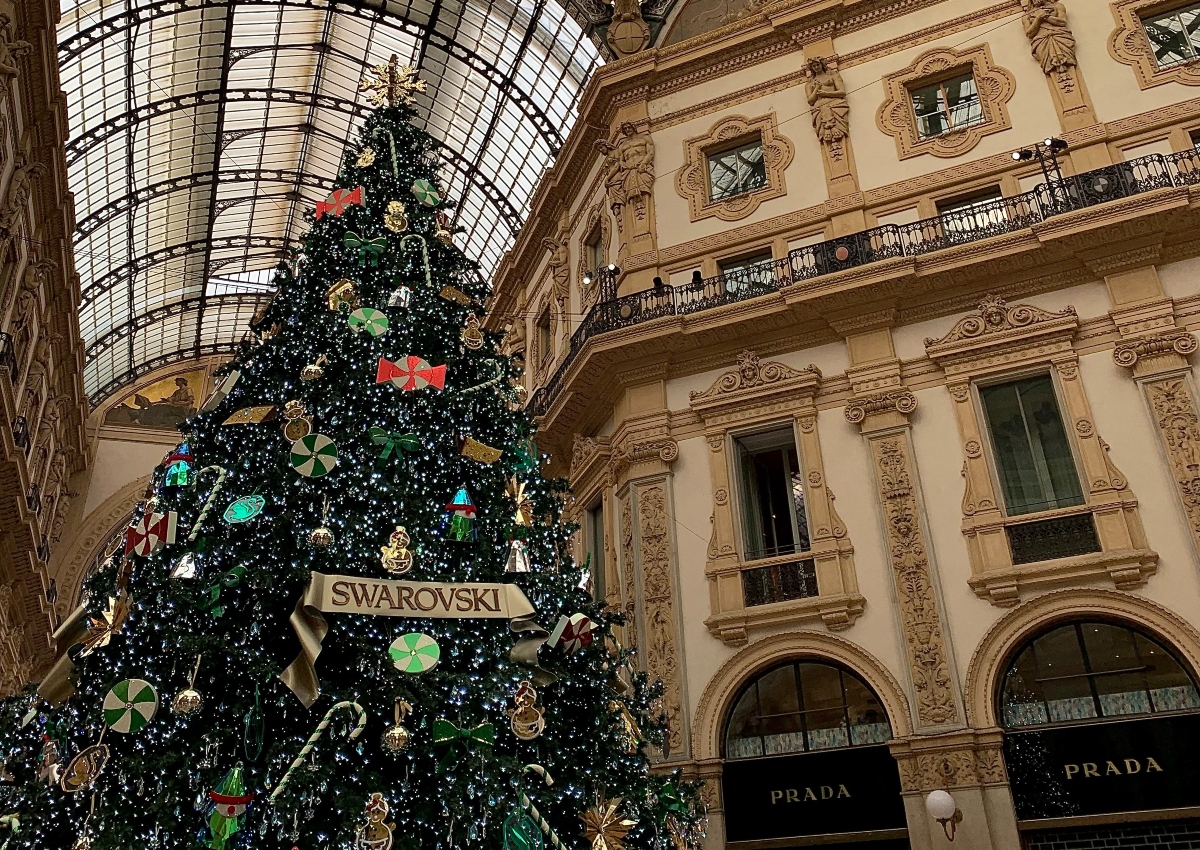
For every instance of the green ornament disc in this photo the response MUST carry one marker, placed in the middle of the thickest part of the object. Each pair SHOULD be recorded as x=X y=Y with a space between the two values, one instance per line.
x=129 y=706
x=244 y=509
x=374 y=322
x=414 y=653
x=314 y=455
x=426 y=192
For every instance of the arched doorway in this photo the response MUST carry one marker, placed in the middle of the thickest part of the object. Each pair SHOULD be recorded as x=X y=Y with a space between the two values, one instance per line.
x=1102 y=738
x=807 y=763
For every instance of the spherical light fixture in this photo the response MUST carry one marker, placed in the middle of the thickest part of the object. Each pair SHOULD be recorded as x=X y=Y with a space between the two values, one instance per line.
x=942 y=808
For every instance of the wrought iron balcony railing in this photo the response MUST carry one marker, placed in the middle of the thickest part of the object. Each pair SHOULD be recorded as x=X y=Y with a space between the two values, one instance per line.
x=948 y=230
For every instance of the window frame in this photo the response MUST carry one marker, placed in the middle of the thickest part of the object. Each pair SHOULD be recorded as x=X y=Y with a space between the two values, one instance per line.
x=594 y=249
x=989 y=447
x=1009 y=669
x=735 y=146
x=599 y=578
x=737 y=483
x=939 y=81
x=1167 y=11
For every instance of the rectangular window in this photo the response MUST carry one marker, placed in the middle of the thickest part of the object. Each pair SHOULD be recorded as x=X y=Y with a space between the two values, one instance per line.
x=1033 y=456
x=774 y=518
x=1195 y=137
x=749 y=272
x=950 y=104
x=736 y=171
x=543 y=335
x=593 y=251
x=595 y=538
x=973 y=212
x=1175 y=35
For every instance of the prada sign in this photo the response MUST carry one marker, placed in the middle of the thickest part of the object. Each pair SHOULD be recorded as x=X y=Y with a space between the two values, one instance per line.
x=849 y=790
x=1102 y=768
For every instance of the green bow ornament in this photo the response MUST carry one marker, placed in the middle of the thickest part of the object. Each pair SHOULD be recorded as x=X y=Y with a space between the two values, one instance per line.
x=368 y=249
x=450 y=736
x=393 y=442
x=231 y=579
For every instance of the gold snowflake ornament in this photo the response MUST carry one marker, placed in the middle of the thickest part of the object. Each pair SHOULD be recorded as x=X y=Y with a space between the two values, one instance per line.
x=604 y=826
x=391 y=83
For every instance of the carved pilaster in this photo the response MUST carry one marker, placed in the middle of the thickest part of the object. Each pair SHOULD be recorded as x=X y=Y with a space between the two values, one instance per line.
x=956 y=760
x=1174 y=407
x=1154 y=353
x=628 y=589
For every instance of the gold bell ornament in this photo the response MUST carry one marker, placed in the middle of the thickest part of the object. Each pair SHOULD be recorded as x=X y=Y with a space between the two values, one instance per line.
x=397 y=737
x=321 y=537
x=189 y=699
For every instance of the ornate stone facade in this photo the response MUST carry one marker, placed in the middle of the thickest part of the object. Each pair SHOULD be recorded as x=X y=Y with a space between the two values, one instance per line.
x=661 y=640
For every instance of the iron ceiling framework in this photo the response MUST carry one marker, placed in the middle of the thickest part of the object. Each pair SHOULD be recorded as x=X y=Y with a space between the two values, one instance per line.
x=202 y=130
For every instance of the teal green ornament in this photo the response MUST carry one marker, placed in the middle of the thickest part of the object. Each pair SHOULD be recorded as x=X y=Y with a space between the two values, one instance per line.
x=521 y=832
x=228 y=809
x=244 y=509
x=460 y=517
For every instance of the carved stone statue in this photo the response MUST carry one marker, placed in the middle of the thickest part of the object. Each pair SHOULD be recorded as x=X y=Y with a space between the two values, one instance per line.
x=17 y=198
x=826 y=95
x=10 y=50
x=628 y=33
x=514 y=339
x=24 y=314
x=635 y=155
x=560 y=268
x=1050 y=39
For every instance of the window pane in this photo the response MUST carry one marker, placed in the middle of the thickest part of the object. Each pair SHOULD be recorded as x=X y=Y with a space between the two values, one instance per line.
x=779 y=709
x=1037 y=471
x=758 y=270
x=947 y=105
x=774 y=519
x=1174 y=35
x=736 y=171
x=742 y=736
x=596 y=550
x=824 y=707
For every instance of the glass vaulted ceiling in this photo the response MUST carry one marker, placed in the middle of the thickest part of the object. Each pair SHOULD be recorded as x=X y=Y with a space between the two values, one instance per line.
x=202 y=130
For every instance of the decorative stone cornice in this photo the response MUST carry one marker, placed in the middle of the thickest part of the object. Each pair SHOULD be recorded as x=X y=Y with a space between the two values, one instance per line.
x=1000 y=335
x=752 y=377
x=900 y=401
x=995 y=316
x=665 y=450
x=1127 y=352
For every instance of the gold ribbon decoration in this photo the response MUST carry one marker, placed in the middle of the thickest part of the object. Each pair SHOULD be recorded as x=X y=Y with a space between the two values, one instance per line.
x=337 y=594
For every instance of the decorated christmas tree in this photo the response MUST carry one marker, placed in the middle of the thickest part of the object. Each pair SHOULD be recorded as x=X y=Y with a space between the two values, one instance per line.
x=346 y=615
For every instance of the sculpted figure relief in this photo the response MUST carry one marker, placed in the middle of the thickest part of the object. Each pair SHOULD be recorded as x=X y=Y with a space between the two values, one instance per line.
x=1050 y=39
x=10 y=50
x=629 y=172
x=560 y=269
x=826 y=95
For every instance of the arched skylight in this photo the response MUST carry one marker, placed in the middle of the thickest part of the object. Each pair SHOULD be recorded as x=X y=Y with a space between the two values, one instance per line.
x=201 y=130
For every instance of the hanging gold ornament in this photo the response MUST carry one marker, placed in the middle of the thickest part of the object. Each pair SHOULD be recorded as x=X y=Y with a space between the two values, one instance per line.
x=321 y=537
x=366 y=158
x=453 y=293
x=397 y=738
x=189 y=699
x=102 y=628
x=298 y=425
x=477 y=451
x=342 y=293
x=391 y=83
x=472 y=336
x=516 y=491
x=604 y=826
x=631 y=733
x=527 y=720
x=396 y=557
x=395 y=218
x=313 y=371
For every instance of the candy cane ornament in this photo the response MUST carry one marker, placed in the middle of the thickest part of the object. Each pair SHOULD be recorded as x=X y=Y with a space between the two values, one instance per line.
x=424 y=255
x=316 y=735
x=529 y=807
x=208 y=503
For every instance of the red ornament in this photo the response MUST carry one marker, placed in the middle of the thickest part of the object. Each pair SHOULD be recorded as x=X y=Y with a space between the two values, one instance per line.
x=150 y=533
x=338 y=200
x=410 y=373
x=572 y=633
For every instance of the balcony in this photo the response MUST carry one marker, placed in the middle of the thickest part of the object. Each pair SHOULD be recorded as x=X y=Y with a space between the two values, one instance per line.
x=8 y=356
x=20 y=433
x=890 y=241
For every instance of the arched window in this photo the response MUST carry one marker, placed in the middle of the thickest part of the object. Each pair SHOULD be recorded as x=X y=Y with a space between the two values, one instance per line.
x=803 y=706
x=1093 y=670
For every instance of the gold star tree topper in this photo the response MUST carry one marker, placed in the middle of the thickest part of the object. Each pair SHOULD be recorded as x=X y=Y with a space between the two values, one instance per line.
x=604 y=826
x=391 y=83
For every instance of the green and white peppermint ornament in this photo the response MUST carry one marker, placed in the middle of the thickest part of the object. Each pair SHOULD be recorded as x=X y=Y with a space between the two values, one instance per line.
x=314 y=455
x=374 y=322
x=426 y=192
x=244 y=509
x=129 y=706
x=414 y=653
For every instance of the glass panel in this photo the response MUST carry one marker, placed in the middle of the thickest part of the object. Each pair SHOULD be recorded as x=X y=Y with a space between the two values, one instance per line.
x=779 y=709
x=758 y=270
x=1174 y=35
x=824 y=707
x=947 y=105
x=742 y=737
x=1037 y=471
x=774 y=518
x=968 y=214
x=736 y=171
x=596 y=527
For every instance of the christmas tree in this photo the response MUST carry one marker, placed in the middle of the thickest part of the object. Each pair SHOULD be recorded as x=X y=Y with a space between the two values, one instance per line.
x=346 y=614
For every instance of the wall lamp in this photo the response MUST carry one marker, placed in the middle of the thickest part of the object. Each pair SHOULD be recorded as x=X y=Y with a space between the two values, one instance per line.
x=589 y=276
x=942 y=808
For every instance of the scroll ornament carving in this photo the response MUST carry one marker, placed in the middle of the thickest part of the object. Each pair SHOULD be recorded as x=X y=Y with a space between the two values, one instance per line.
x=951 y=769
x=631 y=629
x=918 y=606
x=995 y=316
x=665 y=450
x=973 y=448
x=661 y=638
x=751 y=372
x=1175 y=411
x=581 y=452
x=960 y=392
x=826 y=95
x=628 y=171
x=1051 y=40
x=692 y=183
x=1127 y=352
x=900 y=401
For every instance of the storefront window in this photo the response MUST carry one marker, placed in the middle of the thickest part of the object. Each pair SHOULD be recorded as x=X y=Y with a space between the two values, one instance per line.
x=1091 y=670
x=804 y=707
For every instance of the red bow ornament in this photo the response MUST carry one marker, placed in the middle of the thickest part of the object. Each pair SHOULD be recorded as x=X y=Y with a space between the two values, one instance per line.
x=411 y=373
x=150 y=533
x=572 y=633
x=337 y=202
